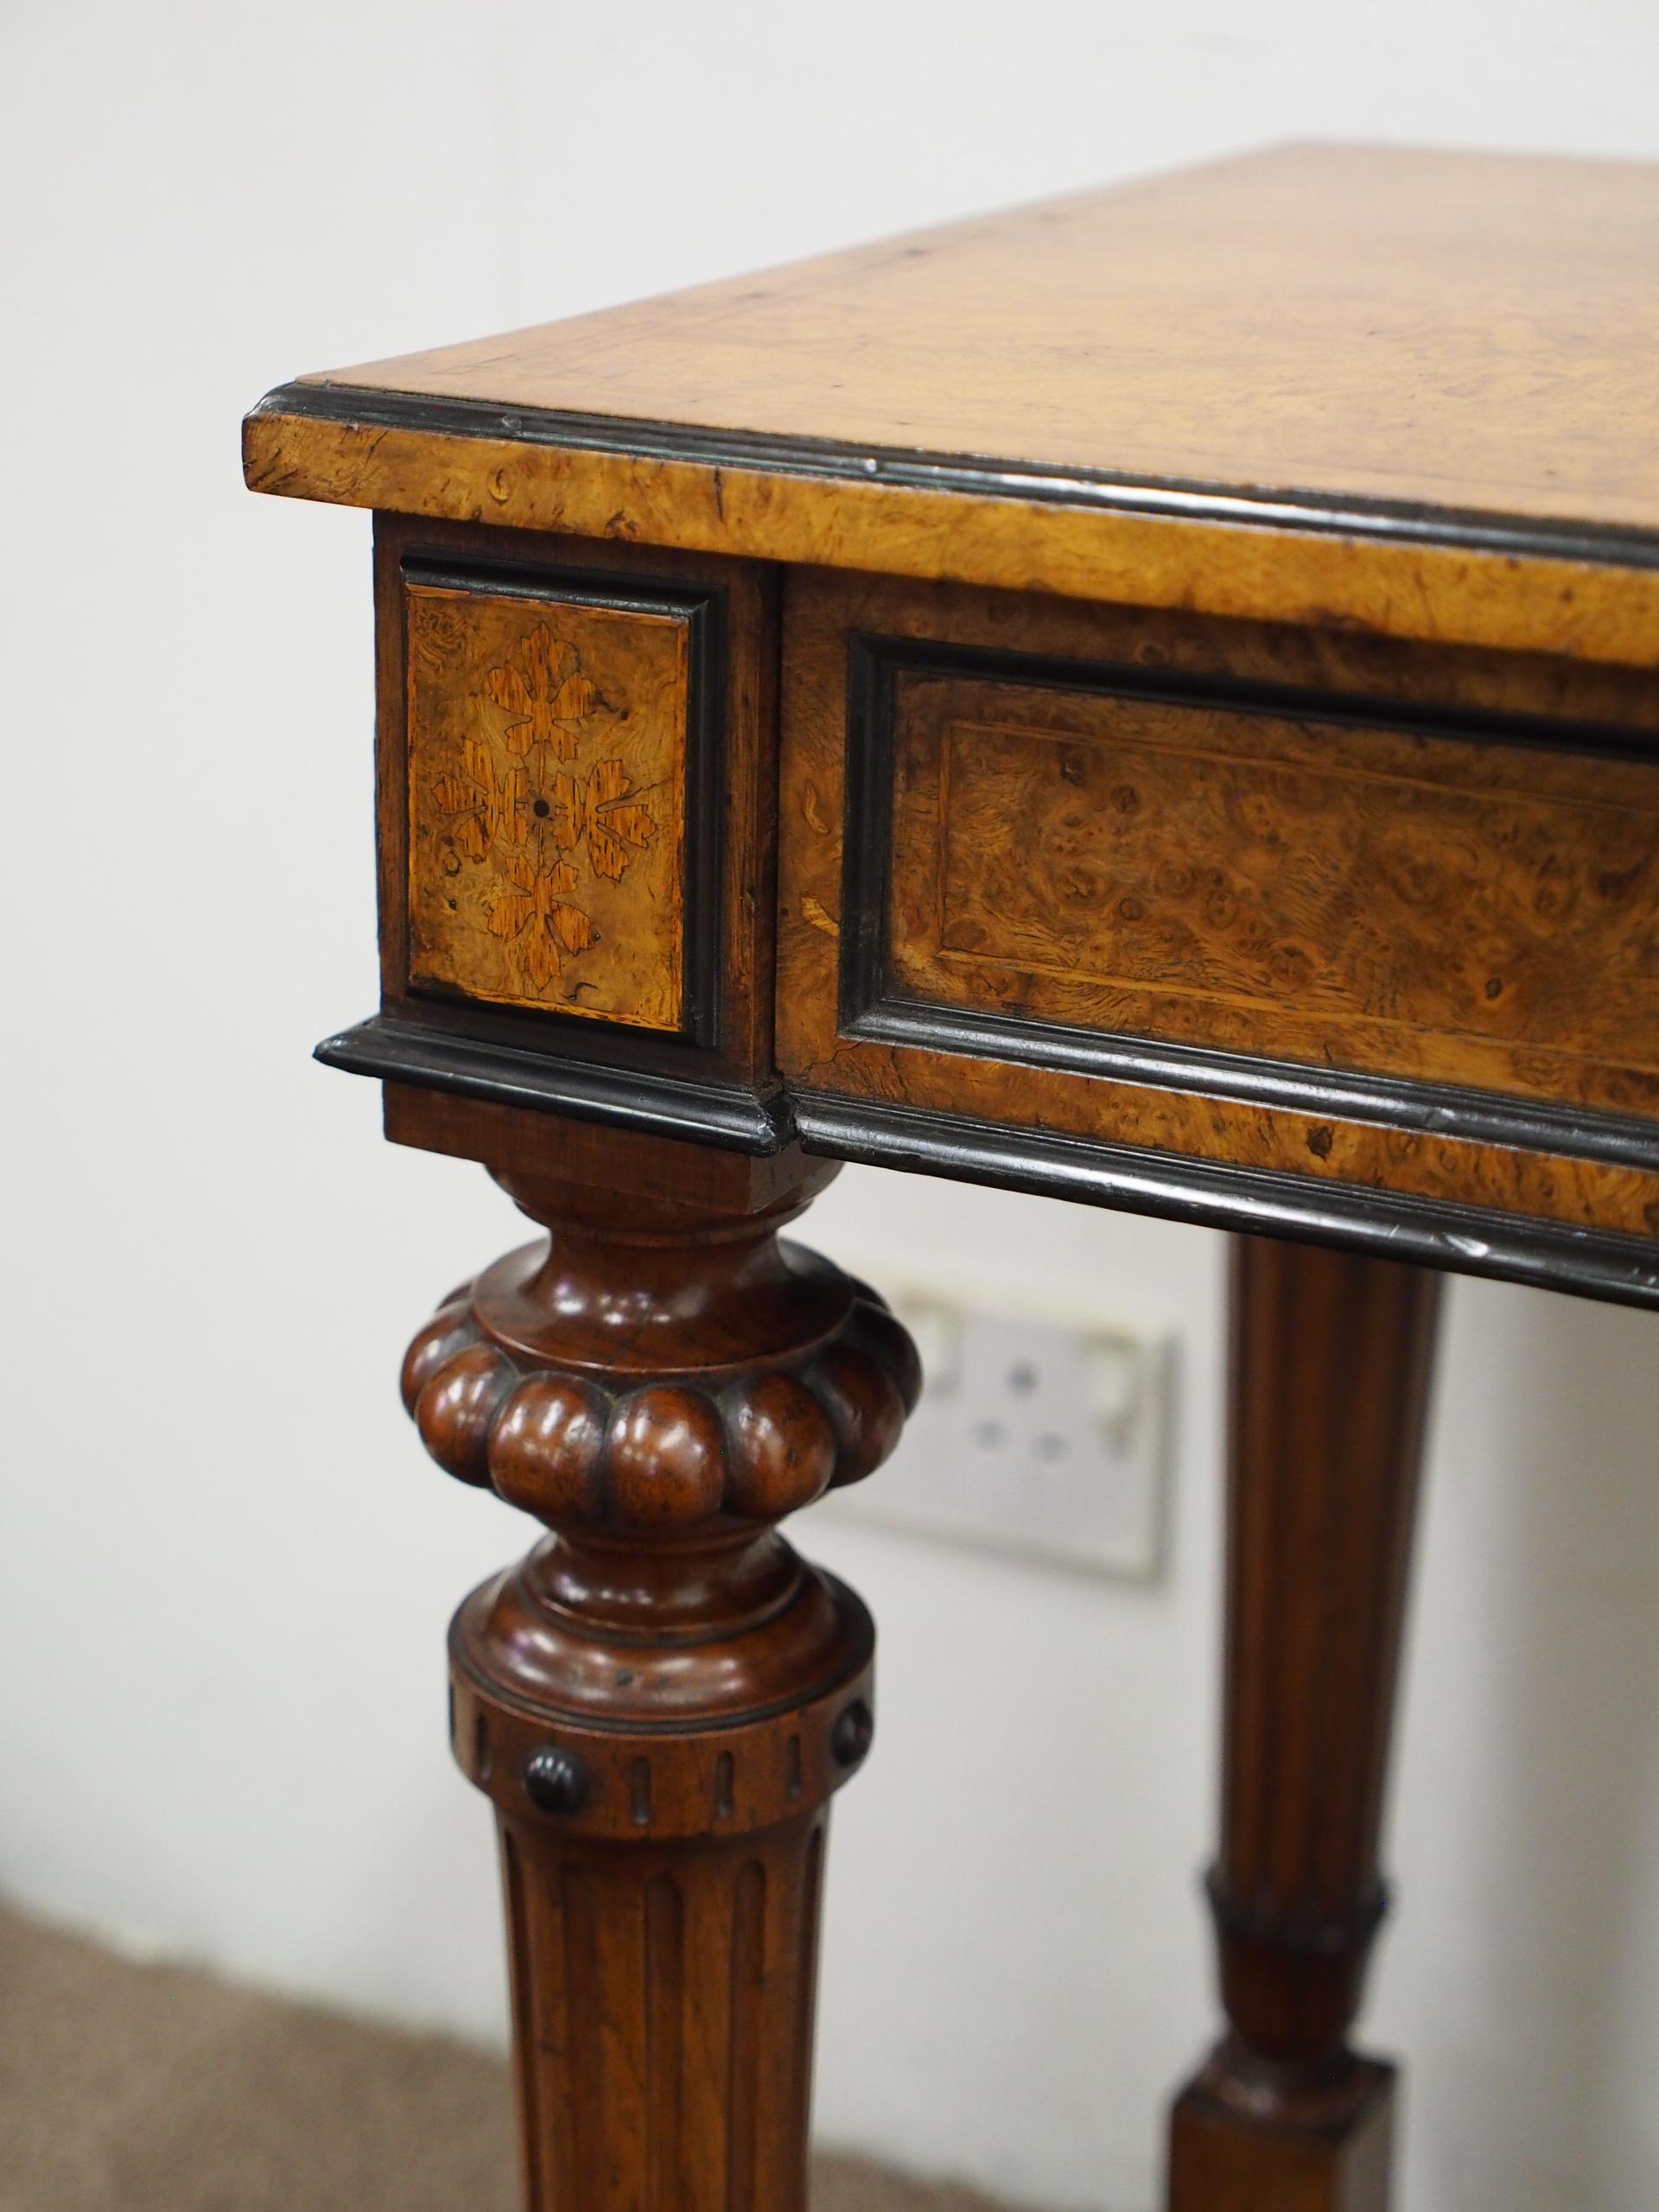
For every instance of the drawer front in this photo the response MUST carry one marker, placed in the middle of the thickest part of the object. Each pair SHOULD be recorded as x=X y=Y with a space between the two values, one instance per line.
x=1342 y=893
x=547 y=759
x=1234 y=900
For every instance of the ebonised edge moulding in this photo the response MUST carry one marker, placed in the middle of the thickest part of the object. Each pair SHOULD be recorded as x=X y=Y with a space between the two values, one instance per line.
x=1214 y=775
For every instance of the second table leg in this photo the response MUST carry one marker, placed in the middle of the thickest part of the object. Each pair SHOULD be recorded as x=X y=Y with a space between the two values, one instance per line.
x=1331 y=1354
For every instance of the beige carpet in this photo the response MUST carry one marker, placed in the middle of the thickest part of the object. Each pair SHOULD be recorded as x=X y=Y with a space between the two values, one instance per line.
x=148 y=2088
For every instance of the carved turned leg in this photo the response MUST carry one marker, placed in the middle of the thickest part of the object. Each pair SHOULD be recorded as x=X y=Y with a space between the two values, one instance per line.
x=661 y=1698
x=1330 y=1362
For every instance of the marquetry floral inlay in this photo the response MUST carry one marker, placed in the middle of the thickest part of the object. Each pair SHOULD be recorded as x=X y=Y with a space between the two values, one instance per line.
x=544 y=695
x=601 y=810
x=488 y=801
x=547 y=743
x=531 y=821
x=533 y=915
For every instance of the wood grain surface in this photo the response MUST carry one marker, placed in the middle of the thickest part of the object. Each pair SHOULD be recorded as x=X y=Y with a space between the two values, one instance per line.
x=547 y=803
x=680 y=650
x=1447 y=329
x=1459 y=592
x=1332 y=1356
x=1199 y=1121
x=1158 y=687
x=662 y=1698
x=1349 y=896
x=1407 y=391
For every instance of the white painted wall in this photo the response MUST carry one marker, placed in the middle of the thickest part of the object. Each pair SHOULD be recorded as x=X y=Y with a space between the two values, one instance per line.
x=225 y=1566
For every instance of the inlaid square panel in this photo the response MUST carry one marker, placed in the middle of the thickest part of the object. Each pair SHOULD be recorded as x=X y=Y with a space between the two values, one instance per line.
x=547 y=765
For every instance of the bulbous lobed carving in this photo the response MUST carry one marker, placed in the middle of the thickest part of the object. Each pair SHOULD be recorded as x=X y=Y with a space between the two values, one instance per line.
x=665 y=1455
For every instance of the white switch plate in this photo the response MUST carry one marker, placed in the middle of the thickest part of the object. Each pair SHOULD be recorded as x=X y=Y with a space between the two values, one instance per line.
x=1042 y=1433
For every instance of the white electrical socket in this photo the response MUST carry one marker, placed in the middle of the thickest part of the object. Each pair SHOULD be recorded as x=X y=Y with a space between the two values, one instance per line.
x=1042 y=1431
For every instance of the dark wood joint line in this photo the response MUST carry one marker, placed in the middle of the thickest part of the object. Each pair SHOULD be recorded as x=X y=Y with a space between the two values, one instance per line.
x=702 y=1111
x=1304 y=1928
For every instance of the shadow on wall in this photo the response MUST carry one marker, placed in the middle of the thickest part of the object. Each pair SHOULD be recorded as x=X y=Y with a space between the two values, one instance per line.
x=1544 y=1506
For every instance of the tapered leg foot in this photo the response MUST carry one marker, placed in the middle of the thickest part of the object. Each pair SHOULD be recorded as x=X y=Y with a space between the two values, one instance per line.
x=1330 y=1361
x=1334 y=2157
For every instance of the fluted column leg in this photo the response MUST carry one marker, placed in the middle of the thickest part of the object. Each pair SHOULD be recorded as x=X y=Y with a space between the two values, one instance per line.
x=661 y=1700
x=663 y=2003
x=1331 y=1364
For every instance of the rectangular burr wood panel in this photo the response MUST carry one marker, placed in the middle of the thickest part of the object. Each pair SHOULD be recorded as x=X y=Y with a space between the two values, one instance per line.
x=1302 y=902
x=1347 y=893
x=547 y=768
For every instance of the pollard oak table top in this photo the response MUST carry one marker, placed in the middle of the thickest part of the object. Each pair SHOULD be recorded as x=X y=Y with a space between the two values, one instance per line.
x=1433 y=350
x=1149 y=697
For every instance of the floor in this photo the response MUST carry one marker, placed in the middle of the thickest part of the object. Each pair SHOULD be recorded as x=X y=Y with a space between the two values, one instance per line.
x=130 y=2087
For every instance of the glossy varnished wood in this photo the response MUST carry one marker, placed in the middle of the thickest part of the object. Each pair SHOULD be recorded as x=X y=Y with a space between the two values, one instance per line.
x=1100 y=396
x=1331 y=1366
x=518 y=1140
x=1184 y=839
x=547 y=768
x=361 y=451
x=1443 y=328
x=1151 y=698
x=661 y=1700
x=695 y=2099
x=668 y=663
x=1357 y=895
